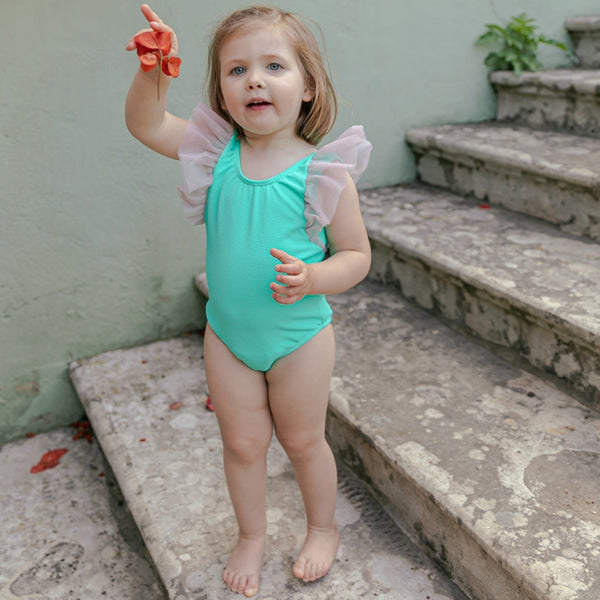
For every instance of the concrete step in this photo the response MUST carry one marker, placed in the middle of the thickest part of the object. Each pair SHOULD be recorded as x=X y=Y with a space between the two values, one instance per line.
x=585 y=33
x=511 y=280
x=551 y=176
x=567 y=99
x=67 y=532
x=168 y=464
x=486 y=466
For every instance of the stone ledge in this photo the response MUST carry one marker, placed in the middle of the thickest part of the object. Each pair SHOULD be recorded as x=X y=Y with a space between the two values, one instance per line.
x=486 y=466
x=507 y=278
x=562 y=100
x=66 y=532
x=583 y=24
x=169 y=466
x=516 y=258
x=465 y=450
x=585 y=33
x=482 y=462
x=557 y=156
x=549 y=175
x=560 y=80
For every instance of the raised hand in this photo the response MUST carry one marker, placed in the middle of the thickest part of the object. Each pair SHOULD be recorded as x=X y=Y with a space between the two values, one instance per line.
x=156 y=24
x=293 y=277
x=145 y=108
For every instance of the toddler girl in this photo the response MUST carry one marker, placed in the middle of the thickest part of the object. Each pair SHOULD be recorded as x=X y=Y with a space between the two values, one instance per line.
x=283 y=228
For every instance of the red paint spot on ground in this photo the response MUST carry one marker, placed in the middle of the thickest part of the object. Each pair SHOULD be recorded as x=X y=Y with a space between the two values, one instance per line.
x=84 y=431
x=175 y=405
x=49 y=460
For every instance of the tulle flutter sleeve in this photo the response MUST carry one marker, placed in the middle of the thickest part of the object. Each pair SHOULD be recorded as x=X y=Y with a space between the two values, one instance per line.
x=327 y=177
x=204 y=140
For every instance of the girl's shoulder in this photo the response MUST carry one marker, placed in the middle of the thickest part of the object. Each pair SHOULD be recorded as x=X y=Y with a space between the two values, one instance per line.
x=328 y=176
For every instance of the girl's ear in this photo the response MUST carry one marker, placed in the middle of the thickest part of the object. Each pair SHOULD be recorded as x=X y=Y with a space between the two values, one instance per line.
x=308 y=95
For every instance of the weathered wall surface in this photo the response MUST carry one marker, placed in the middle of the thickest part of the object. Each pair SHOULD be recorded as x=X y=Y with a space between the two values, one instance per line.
x=94 y=251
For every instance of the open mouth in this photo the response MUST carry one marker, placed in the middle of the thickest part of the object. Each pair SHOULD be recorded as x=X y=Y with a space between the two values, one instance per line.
x=258 y=104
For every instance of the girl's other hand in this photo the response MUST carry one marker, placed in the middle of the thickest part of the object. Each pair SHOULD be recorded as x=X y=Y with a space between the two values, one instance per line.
x=156 y=24
x=293 y=277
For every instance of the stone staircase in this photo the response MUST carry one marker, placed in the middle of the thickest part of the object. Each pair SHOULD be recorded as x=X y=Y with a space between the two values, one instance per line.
x=466 y=394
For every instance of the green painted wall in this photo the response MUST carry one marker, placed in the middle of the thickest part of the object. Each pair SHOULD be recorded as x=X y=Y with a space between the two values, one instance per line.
x=94 y=251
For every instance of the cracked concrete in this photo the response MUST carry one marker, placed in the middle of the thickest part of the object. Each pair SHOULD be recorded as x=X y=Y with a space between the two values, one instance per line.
x=66 y=532
x=68 y=535
x=549 y=175
x=168 y=463
x=508 y=279
x=457 y=444
x=585 y=33
x=565 y=99
x=490 y=466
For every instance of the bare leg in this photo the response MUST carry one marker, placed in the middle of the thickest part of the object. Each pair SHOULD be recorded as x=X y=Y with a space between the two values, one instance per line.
x=298 y=397
x=239 y=396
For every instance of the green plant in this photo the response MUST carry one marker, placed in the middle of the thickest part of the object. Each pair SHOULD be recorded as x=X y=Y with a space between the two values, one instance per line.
x=517 y=45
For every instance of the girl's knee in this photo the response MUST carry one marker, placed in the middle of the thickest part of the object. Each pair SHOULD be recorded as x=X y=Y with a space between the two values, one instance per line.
x=302 y=447
x=246 y=448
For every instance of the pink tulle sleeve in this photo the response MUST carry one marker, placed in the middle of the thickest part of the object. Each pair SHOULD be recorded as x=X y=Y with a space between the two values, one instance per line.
x=204 y=140
x=327 y=177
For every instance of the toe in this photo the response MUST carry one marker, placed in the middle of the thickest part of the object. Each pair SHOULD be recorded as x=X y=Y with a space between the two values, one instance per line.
x=322 y=570
x=251 y=588
x=227 y=578
x=299 y=568
x=308 y=576
x=313 y=575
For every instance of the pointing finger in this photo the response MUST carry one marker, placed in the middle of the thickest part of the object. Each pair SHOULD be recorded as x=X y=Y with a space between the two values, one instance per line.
x=150 y=14
x=156 y=24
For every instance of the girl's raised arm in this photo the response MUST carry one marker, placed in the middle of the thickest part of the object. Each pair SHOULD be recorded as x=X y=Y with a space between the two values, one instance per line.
x=145 y=108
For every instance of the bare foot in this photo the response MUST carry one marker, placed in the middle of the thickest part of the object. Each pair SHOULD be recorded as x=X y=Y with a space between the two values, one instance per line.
x=317 y=554
x=243 y=567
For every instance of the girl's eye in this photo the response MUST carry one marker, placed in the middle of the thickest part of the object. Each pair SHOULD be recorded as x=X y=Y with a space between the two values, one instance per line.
x=274 y=67
x=238 y=71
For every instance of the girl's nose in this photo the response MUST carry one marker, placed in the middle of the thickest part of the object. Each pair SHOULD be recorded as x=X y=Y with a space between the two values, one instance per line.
x=254 y=82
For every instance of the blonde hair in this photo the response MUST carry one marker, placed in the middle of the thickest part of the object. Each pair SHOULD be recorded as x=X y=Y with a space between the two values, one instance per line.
x=318 y=115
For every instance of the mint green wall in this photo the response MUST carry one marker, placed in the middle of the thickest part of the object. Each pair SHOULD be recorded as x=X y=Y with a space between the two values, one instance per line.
x=94 y=251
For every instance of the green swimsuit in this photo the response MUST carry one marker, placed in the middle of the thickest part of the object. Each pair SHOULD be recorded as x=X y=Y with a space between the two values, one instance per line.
x=245 y=218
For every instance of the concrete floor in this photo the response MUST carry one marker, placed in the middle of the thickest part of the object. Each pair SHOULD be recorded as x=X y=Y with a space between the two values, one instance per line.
x=67 y=534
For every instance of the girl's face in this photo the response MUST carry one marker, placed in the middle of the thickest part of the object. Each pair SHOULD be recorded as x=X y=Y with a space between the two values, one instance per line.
x=262 y=82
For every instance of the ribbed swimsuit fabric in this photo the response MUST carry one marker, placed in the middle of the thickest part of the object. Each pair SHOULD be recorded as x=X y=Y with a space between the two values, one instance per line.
x=246 y=218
